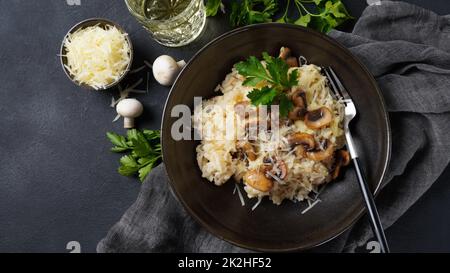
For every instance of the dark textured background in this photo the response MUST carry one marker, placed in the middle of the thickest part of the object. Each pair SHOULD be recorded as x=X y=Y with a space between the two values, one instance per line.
x=58 y=180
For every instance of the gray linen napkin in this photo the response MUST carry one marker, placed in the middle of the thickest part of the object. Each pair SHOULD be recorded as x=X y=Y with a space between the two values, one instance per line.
x=407 y=49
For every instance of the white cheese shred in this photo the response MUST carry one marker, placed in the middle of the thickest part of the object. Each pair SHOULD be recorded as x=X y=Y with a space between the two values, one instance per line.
x=139 y=69
x=311 y=205
x=257 y=203
x=147 y=63
x=97 y=56
x=236 y=187
x=116 y=118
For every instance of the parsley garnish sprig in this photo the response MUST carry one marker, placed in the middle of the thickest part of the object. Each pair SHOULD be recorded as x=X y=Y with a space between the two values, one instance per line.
x=277 y=79
x=322 y=15
x=144 y=151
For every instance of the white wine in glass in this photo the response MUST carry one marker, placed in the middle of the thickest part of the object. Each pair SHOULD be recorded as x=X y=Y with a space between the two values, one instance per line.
x=171 y=22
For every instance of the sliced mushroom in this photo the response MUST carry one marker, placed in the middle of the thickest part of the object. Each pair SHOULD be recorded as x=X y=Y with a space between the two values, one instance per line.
x=335 y=172
x=318 y=118
x=303 y=142
x=342 y=159
x=275 y=168
x=285 y=52
x=285 y=55
x=300 y=151
x=299 y=98
x=322 y=154
x=303 y=139
x=247 y=148
x=258 y=180
x=292 y=61
x=344 y=155
x=297 y=113
x=281 y=170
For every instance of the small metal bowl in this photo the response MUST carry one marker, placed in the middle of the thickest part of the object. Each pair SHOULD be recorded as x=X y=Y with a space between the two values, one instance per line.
x=88 y=23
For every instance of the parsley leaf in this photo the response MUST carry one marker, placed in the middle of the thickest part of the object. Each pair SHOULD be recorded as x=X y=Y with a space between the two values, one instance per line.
x=128 y=165
x=263 y=96
x=247 y=12
x=337 y=9
x=212 y=6
x=303 y=20
x=141 y=147
x=145 y=152
x=152 y=134
x=119 y=141
x=325 y=16
x=144 y=171
x=276 y=74
x=285 y=105
x=293 y=78
x=253 y=69
x=278 y=70
x=251 y=81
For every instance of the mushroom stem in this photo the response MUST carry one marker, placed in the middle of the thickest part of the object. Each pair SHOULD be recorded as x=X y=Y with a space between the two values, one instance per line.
x=128 y=123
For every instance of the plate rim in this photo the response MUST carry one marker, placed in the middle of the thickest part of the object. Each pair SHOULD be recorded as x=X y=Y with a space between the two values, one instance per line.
x=385 y=114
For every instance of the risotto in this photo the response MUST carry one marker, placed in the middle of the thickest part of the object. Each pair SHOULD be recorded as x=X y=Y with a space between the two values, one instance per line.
x=287 y=157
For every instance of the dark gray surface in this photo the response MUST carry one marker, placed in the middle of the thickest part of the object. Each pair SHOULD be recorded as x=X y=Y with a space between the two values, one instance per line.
x=58 y=179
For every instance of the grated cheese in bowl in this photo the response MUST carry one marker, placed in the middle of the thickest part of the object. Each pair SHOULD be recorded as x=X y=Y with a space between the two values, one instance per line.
x=97 y=56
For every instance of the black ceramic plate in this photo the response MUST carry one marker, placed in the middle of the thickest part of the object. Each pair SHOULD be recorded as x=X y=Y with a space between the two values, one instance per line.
x=271 y=227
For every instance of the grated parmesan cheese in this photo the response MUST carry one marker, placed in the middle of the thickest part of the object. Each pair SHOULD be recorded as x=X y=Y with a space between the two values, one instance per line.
x=97 y=56
x=236 y=187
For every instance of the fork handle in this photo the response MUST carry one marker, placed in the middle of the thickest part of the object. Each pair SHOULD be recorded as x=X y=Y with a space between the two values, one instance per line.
x=371 y=208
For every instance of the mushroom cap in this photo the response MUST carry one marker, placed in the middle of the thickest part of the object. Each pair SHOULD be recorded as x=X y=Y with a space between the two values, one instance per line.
x=248 y=149
x=292 y=62
x=165 y=70
x=297 y=113
x=298 y=97
x=275 y=168
x=130 y=108
x=321 y=155
x=303 y=139
x=257 y=180
x=285 y=52
x=319 y=118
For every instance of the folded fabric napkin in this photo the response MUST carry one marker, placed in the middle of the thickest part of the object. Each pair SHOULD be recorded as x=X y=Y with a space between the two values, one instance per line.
x=407 y=49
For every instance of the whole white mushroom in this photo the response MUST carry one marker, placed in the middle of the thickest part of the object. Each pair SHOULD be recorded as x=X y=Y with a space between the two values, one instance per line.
x=166 y=69
x=129 y=109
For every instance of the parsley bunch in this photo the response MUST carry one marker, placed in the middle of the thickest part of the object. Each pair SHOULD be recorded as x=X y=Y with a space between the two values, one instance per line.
x=275 y=74
x=322 y=15
x=144 y=148
x=252 y=12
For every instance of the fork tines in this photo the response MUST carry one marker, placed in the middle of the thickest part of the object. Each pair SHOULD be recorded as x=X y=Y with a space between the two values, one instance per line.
x=335 y=84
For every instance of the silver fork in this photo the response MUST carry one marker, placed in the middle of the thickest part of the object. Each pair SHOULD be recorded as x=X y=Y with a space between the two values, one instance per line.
x=341 y=94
